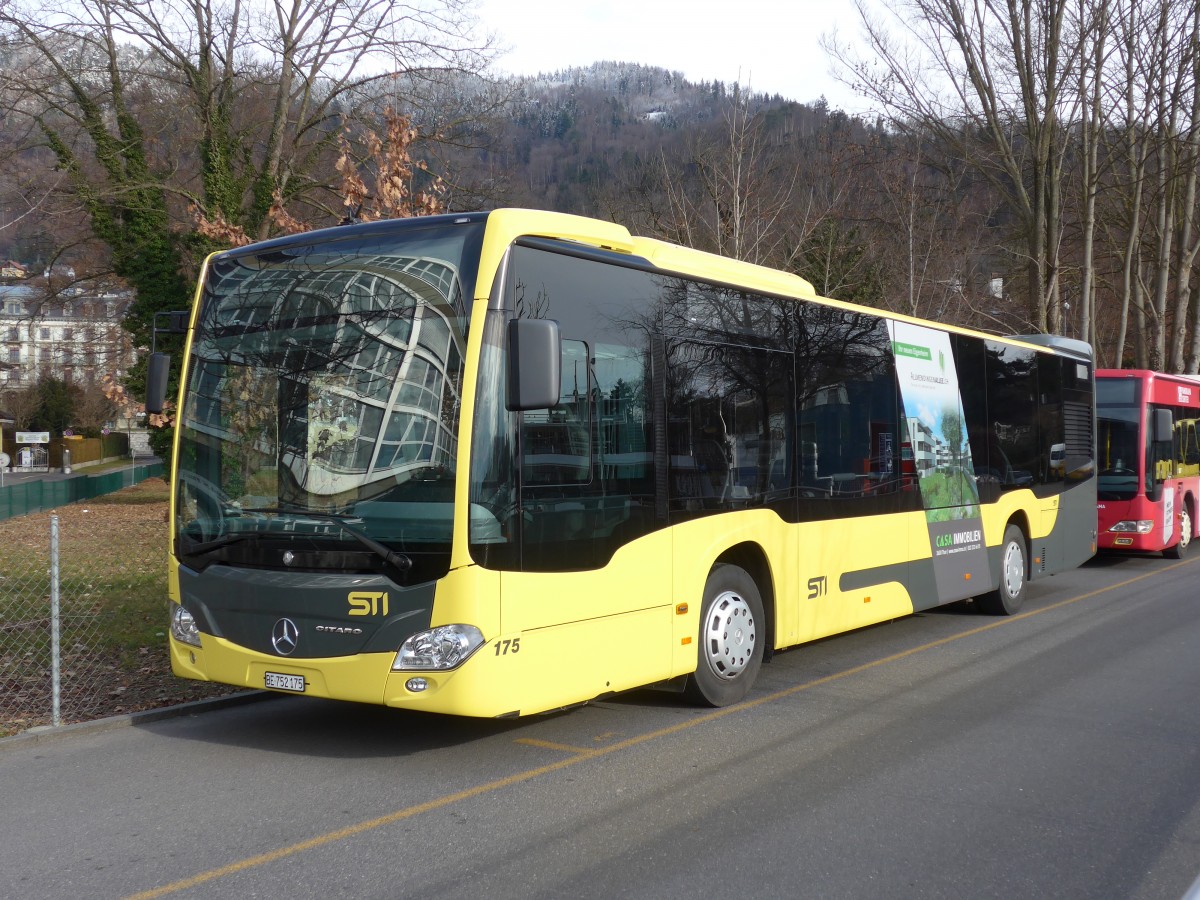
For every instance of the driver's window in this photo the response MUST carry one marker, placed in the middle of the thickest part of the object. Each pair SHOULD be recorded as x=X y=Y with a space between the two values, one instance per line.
x=556 y=442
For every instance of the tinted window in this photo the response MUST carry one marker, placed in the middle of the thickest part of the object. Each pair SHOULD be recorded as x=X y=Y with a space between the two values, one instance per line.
x=729 y=399
x=848 y=419
x=1079 y=460
x=1052 y=440
x=1013 y=457
x=970 y=361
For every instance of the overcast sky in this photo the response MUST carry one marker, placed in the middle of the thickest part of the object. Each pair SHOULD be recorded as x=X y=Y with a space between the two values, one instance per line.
x=771 y=45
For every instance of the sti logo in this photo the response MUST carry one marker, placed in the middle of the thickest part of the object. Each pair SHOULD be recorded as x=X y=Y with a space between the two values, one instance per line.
x=367 y=603
x=1185 y=395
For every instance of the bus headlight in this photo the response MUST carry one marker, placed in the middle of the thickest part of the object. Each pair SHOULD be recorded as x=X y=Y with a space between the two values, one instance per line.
x=443 y=647
x=183 y=627
x=1140 y=526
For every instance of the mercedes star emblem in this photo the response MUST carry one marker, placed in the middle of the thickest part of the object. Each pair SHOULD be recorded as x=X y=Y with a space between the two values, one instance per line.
x=285 y=636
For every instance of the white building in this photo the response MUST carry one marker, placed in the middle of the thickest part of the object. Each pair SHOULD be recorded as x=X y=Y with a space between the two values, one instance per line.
x=924 y=445
x=76 y=336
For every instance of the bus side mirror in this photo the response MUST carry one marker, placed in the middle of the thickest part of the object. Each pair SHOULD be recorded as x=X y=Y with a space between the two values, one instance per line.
x=158 y=369
x=1163 y=426
x=534 y=364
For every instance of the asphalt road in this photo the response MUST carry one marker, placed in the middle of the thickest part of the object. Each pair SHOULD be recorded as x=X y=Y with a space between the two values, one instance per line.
x=1055 y=754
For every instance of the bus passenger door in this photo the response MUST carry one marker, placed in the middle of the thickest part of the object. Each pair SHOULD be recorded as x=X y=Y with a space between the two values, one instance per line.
x=591 y=597
x=731 y=479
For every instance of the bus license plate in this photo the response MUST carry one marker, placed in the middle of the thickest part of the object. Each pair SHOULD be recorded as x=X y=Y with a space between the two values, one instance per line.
x=280 y=682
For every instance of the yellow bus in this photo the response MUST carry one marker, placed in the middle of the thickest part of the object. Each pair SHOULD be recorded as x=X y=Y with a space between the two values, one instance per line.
x=507 y=462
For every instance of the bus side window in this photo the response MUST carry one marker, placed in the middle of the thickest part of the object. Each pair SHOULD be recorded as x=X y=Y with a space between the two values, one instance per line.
x=1052 y=445
x=726 y=446
x=851 y=436
x=970 y=361
x=1013 y=457
x=1189 y=451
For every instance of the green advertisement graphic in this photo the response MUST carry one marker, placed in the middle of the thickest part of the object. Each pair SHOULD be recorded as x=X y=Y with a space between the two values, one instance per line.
x=936 y=429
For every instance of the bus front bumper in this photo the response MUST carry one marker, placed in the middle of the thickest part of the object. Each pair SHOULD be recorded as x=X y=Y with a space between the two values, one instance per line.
x=479 y=687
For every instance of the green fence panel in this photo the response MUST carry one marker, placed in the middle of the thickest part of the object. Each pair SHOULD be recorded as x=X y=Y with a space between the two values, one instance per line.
x=18 y=499
x=107 y=483
x=39 y=496
x=57 y=493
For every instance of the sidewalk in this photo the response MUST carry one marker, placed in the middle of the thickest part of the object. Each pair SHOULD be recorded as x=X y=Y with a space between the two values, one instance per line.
x=24 y=476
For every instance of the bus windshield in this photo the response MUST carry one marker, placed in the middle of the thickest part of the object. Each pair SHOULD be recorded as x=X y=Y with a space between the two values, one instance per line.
x=1118 y=412
x=321 y=410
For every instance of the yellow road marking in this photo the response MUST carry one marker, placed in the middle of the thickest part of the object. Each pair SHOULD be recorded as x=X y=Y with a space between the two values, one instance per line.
x=551 y=745
x=582 y=755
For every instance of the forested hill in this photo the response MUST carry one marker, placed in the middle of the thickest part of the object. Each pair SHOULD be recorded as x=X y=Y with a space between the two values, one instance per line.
x=574 y=140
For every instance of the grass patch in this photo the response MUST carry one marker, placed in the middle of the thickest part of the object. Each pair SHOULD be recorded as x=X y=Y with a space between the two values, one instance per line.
x=150 y=491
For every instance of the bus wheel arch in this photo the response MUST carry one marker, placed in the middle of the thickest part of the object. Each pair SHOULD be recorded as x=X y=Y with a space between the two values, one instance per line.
x=1187 y=524
x=1013 y=581
x=733 y=634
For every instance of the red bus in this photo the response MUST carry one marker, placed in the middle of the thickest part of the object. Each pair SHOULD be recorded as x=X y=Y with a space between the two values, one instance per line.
x=1149 y=460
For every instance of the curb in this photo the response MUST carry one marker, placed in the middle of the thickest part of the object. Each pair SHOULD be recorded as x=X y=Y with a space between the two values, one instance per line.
x=44 y=733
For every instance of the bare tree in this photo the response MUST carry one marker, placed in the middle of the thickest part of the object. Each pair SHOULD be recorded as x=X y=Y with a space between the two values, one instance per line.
x=389 y=167
x=22 y=404
x=1129 y=152
x=1094 y=19
x=989 y=79
x=153 y=110
x=1150 y=187
x=735 y=189
x=93 y=408
x=263 y=90
x=1187 y=313
x=926 y=225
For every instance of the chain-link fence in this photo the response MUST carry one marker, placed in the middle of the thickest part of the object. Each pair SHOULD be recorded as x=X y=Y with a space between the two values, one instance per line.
x=83 y=611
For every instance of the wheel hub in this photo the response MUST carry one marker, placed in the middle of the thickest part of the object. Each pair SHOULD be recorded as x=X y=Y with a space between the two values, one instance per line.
x=1014 y=569
x=729 y=636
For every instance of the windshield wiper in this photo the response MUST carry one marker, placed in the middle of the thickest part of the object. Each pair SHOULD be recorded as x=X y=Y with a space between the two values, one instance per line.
x=397 y=561
x=202 y=547
x=297 y=511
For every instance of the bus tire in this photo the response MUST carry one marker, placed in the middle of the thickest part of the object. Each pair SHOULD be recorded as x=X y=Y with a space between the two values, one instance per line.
x=1185 y=535
x=1008 y=597
x=732 y=635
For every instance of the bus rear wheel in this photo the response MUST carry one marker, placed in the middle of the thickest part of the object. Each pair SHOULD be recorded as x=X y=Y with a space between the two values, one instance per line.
x=1008 y=597
x=1185 y=535
x=732 y=632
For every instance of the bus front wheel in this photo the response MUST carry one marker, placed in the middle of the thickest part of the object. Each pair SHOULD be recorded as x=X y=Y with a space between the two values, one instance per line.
x=732 y=633
x=1185 y=535
x=1008 y=597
